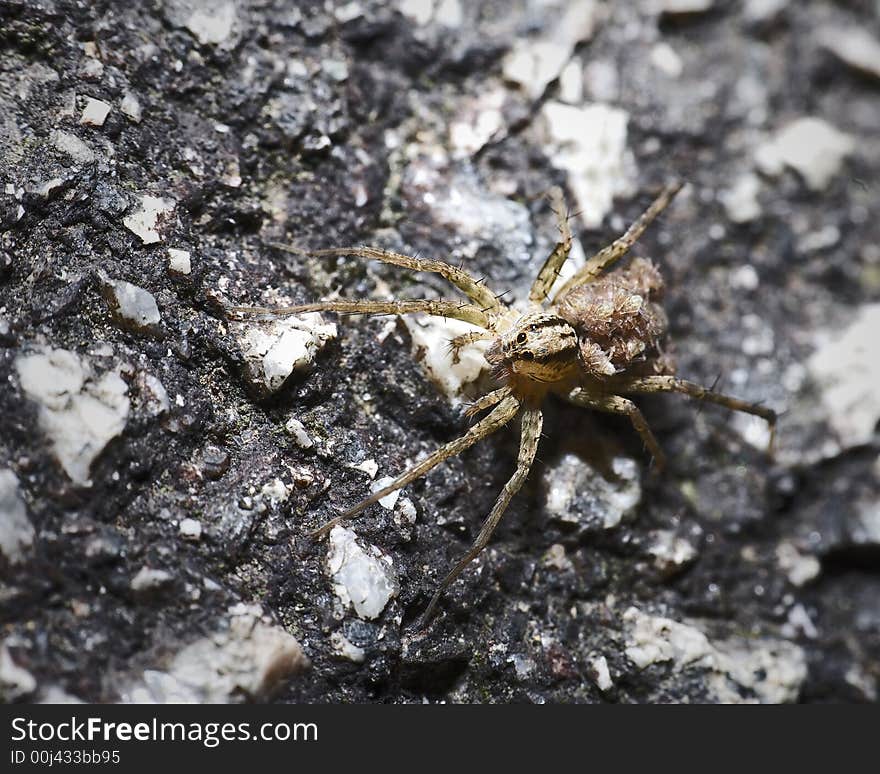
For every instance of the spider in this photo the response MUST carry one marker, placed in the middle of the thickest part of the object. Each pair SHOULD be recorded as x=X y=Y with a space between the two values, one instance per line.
x=594 y=341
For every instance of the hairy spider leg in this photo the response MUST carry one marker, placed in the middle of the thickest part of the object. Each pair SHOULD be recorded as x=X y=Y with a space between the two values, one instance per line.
x=459 y=342
x=451 y=309
x=615 y=404
x=620 y=246
x=500 y=416
x=474 y=289
x=532 y=422
x=540 y=291
x=673 y=384
x=487 y=401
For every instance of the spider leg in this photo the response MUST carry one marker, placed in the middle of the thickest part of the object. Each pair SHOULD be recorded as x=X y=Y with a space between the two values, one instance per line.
x=673 y=384
x=473 y=288
x=500 y=416
x=487 y=401
x=540 y=291
x=615 y=404
x=459 y=342
x=457 y=311
x=532 y=423
x=620 y=246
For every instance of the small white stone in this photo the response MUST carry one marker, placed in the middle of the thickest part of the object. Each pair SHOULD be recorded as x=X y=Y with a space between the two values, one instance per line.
x=406 y=510
x=337 y=69
x=300 y=435
x=348 y=12
x=741 y=200
x=95 y=113
x=810 y=146
x=148 y=579
x=825 y=237
x=273 y=350
x=733 y=670
x=744 y=277
x=855 y=46
x=275 y=491
x=534 y=62
x=664 y=58
x=590 y=144
x=601 y=675
x=144 y=221
x=191 y=529
x=135 y=306
x=16 y=530
x=362 y=578
x=78 y=413
x=211 y=22
x=390 y=500
x=91 y=69
x=131 y=107
x=571 y=82
x=477 y=121
x=846 y=367
x=671 y=553
x=246 y=657
x=71 y=145
x=179 y=261
x=370 y=467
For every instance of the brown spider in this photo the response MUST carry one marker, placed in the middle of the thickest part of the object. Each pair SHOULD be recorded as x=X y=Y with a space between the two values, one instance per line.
x=599 y=336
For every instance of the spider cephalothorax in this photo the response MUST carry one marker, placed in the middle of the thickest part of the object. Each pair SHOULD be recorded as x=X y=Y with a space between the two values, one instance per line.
x=540 y=349
x=598 y=338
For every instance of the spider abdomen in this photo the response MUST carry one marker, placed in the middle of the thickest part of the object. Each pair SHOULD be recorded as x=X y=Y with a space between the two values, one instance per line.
x=616 y=318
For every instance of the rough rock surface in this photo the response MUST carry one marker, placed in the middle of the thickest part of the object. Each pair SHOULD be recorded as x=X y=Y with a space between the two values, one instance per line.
x=162 y=467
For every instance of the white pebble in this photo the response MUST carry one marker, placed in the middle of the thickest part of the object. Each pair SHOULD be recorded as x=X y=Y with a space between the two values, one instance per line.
x=741 y=200
x=135 y=306
x=390 y=500
x=191 y=529
x=664 y=58
x=148 y=579
x=362 y=578
x=601 y=675
x=95 y=113
x=78 y=413
x=131 y=107
x=810 y=146
x=298 y=430
x=590 y=144
x=16 y=530
x=179 y=261
x=144 y=221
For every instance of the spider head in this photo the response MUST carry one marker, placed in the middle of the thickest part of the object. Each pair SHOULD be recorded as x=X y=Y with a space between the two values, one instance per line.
x=540 y=347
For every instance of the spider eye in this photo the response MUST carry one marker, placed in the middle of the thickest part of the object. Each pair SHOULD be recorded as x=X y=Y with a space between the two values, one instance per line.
x=521 y=339
x=528 y=355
